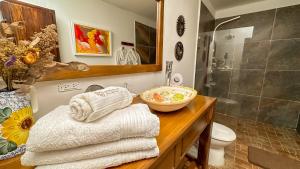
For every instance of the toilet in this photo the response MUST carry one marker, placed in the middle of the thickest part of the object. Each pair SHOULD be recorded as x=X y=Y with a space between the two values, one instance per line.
x=221 y=137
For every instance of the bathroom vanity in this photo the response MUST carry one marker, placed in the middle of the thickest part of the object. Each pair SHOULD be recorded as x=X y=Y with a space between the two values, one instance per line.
x=179 y=131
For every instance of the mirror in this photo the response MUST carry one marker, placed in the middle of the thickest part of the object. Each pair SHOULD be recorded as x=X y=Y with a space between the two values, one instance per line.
x=111 y=36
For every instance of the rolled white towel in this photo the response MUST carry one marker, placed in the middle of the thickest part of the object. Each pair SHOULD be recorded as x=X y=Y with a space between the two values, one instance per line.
x=105 y=162
x=88 y=152
x=58 y=131
x=94 y=105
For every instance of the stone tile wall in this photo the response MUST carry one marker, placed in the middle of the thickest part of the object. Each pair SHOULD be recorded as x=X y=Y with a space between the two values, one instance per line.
x=263 y=79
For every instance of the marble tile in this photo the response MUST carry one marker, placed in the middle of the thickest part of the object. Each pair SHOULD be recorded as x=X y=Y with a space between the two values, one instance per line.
x=254 y=56
x=287 y=23
x=284 y=55
x=247 y=82
x=261 y=21
x=282 y=85
x=246 y=106
x=222 y=80
x=279 y=113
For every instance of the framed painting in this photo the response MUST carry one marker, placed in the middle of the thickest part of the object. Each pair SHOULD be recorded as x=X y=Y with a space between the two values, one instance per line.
x=91 y=41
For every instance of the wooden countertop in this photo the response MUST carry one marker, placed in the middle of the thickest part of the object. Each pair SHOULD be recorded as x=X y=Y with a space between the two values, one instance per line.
x=172 y=126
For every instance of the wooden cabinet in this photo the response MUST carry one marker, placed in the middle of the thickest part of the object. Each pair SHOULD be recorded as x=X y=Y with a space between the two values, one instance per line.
x=178 y=132
x=33 y=17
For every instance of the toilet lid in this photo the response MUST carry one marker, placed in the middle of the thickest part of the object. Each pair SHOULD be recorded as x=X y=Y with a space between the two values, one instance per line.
x=222 y=133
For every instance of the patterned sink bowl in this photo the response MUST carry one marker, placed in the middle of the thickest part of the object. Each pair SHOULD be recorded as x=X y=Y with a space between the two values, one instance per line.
x=168 y=98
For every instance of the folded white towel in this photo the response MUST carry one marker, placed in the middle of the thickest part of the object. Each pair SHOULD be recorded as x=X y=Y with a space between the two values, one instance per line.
x=58 y=131
x=94 y=105
x=88 y=152
x=105 y=162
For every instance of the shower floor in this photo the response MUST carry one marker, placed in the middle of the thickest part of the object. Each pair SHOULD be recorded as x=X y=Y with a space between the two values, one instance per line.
x=261 y=135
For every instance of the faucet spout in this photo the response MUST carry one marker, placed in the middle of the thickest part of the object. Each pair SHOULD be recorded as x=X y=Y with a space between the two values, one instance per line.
x=168 y=73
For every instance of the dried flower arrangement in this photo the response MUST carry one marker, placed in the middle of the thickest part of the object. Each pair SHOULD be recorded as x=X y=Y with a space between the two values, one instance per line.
x=25 y=61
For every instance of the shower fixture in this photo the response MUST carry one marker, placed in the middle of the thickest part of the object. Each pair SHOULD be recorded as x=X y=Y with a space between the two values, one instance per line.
x=211 y=56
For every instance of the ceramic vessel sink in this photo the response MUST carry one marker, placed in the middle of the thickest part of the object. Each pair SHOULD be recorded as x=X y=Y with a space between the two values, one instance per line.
x=167 y=98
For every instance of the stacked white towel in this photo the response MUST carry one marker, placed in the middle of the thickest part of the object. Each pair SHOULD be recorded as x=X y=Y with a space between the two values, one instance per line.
x=59 y=141
x=91 y=106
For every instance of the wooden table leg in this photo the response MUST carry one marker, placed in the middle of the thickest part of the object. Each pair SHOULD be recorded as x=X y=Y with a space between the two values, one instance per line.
x=204 y=143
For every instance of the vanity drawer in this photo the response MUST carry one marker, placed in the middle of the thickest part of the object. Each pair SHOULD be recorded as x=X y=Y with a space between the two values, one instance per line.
x=193 y=134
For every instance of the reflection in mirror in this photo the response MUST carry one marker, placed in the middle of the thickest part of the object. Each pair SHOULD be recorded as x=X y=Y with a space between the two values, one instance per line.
x=95 y=32
x=135 y=43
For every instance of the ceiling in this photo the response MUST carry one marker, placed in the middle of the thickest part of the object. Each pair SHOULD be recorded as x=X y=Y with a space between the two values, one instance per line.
x=147 y=8
x=223 y=4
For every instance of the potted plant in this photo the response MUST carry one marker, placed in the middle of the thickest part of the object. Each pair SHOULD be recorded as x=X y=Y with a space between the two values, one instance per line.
x=21 y=64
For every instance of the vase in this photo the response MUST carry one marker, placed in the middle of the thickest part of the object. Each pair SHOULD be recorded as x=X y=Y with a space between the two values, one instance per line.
x=16 y=119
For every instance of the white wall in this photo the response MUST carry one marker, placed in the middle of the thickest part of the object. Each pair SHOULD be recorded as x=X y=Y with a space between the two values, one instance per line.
x=254 y=7
x=93 y=13
x=49 y=97
x=189 y=9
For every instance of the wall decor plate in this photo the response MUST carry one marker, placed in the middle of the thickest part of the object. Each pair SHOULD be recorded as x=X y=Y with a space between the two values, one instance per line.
x=180 y=25
x=179 y=49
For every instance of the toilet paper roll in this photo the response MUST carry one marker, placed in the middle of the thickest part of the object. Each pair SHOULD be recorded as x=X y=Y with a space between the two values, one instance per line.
x=177 y=80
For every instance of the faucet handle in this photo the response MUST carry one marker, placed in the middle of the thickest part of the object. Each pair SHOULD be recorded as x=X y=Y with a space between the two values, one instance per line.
x=169 y=65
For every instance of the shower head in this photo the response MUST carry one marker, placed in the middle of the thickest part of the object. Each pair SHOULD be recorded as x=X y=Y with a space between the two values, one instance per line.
x=222 y=23
x=229 y=20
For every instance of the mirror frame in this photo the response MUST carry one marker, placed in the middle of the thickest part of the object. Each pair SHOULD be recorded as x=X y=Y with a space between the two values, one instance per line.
x=106 y=70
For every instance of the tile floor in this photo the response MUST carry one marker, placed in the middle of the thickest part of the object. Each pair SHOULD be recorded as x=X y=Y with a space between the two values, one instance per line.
x=265 y=136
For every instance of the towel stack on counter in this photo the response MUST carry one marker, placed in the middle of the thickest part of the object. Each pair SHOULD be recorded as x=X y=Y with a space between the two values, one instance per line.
x=98 y=129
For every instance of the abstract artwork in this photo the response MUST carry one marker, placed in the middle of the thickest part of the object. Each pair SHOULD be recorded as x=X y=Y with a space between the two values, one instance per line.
x=90 y=41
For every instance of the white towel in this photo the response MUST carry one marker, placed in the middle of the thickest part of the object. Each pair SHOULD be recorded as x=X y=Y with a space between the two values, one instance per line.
x=94 y=105
x=88 y=152
x=105 y=162
x=58 y=131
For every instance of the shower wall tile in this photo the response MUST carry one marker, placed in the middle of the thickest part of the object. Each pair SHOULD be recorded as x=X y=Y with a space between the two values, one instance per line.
x=224 y=54
x=207 y=21
x=254 y=56
x=280 y=113
x=221 y=107
x=287 y=23
x=246 y=106
x=261 y=21
x=202 y=50
x=275 y=42
x=247 y=82
x=222 y=80
x=285 y=55
x=199 y=81
x=282 y=85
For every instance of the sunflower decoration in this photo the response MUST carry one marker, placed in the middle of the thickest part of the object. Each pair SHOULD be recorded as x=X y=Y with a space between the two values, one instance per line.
x=16 y=127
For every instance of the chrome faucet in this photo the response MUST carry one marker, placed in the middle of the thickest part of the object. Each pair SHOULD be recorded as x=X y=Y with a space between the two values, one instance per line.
x=168 y=72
